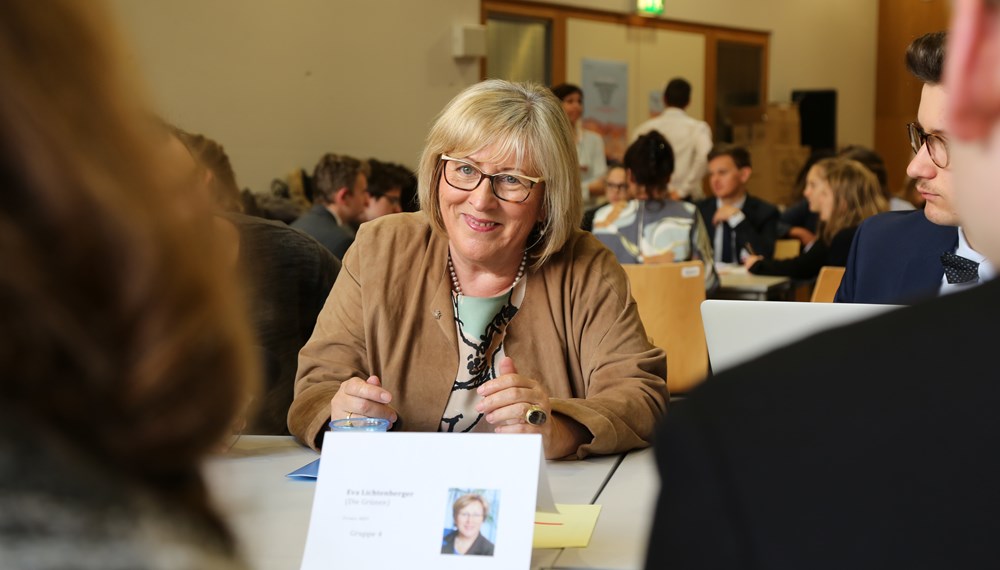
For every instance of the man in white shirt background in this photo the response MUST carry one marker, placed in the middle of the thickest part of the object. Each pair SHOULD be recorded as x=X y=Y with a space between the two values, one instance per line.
x=690 y=139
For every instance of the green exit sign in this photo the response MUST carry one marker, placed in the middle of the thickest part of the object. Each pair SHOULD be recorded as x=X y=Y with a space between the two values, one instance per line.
x=649 y=7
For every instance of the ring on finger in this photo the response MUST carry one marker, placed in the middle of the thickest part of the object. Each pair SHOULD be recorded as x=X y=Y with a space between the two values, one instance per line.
x=535 y=415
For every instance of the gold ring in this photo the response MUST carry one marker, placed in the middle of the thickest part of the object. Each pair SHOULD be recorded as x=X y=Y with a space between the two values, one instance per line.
x=349 y=414
x=535 y=415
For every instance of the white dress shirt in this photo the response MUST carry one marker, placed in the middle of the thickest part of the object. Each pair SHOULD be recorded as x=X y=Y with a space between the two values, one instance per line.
x=691 y=141
x=738 y=250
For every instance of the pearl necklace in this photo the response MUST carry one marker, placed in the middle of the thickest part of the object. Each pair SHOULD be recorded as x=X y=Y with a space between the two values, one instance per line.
x=457 y=287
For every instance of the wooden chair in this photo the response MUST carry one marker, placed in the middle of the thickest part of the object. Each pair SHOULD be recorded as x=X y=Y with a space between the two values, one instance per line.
x=787 y=248
x=669 y=297
x=827 y=284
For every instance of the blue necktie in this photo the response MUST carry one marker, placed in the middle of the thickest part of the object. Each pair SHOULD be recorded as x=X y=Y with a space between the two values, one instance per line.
x=959 y=269
x=727 y=243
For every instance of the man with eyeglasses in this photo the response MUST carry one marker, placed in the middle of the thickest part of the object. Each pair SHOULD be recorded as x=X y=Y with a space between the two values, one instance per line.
x=385 y=189
x=900 y=257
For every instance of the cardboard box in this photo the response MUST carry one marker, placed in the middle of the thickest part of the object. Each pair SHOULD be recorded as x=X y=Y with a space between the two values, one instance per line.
x=777 y=123
x=777 y=132
x=743 y=135
x=775 y=167
x=747 y=115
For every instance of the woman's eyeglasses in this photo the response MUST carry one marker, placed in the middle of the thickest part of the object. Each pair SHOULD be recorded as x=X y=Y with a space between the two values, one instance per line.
x=507 y=186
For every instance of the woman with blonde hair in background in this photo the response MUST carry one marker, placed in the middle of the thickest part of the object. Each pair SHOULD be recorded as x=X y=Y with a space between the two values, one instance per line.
x=844 y=193
x=125 y=353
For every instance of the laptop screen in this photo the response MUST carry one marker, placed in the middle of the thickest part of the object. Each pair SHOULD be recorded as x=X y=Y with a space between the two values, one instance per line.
x=738 y=331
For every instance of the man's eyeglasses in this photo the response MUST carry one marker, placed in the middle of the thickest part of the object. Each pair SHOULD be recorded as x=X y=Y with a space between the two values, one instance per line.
x=619 y=187
x=507 y=186
x=937 y=146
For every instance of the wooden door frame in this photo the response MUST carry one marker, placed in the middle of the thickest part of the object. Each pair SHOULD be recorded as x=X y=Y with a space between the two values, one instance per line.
x=557 y=15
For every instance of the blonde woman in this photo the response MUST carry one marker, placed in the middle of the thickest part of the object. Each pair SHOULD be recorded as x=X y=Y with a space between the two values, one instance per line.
x=490 y=310
x=844 y=193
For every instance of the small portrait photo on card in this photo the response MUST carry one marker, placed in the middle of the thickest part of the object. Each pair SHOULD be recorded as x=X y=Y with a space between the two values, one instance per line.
x=470 y=524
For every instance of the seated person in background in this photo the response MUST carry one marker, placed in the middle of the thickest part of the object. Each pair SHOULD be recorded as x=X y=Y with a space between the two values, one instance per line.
x=910 y=256
x=739 y=223
x=385 y=189
x=616 y=189
x=409 y=201
x=490 y=310
x=216 y=176
x=653 y=228
x=287 y=273
x=796 y=221
x=873 y=161
x=843 y=192
x=589 y=145
x=125 y=351
x=340 y=201
x=784 y=464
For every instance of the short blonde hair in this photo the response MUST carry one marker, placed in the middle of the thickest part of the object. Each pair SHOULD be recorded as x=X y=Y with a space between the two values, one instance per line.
x=466 y=500
x=522 y=120
x=857 y=195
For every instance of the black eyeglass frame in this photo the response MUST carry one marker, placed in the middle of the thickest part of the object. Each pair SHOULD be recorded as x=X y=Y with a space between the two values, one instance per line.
x=919 y=137
x=444 y=173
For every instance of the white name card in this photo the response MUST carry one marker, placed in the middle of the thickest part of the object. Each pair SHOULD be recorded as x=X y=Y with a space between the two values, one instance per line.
x=426 y=500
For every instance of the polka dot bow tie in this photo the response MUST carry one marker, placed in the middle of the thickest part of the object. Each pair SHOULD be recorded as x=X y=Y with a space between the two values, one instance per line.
x=959 y=269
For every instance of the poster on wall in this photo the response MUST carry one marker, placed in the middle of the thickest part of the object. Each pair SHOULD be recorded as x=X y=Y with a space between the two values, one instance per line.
x=605 y=93
x=656 y=105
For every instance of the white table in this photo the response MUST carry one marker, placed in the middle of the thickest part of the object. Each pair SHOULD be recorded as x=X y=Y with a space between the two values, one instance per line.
x=269 y=513
x=622 y=534
x=747 y=286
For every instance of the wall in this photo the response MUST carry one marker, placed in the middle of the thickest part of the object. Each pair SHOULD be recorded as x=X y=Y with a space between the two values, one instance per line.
x=280 y=83
x=647 y=51
x=815 y=44
x=898 y=92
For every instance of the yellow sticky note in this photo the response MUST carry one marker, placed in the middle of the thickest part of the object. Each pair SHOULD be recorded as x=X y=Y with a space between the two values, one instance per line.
x=570 y=528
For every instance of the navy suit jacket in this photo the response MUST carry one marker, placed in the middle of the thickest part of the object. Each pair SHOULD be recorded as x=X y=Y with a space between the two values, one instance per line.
x=322 y=226
x=759 y=229
x=896 y=259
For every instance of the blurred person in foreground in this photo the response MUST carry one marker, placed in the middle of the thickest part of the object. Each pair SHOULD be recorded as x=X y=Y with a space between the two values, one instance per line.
x=125 y=357
x=490 y=310
x=774 y=465
x=288 y=276
x=654 y=228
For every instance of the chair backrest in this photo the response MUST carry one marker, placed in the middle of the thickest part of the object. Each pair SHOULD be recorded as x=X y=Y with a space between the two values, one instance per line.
x=827 y=284
x=787 y=248
x=669 y=297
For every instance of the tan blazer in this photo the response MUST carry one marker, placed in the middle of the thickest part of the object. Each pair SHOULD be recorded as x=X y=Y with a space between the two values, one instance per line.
x=390 y=314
